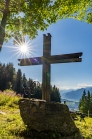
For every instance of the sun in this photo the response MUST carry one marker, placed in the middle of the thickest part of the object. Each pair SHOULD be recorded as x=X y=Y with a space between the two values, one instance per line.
x=23 y=48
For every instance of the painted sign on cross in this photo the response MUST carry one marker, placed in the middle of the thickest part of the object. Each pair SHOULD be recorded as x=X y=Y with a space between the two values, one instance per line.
x=46 y=60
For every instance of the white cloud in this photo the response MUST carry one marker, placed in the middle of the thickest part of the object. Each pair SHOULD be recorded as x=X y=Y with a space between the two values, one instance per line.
x=83 y=85
x=36 y=80
x=64 y=87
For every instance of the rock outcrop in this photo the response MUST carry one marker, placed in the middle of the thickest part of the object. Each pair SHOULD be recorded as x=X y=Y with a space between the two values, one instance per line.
x=43 y=116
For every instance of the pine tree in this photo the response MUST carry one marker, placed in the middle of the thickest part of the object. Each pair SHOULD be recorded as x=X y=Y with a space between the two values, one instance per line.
x=85 y=103
x=18 y=82
x=55 y=95
x=88 y=101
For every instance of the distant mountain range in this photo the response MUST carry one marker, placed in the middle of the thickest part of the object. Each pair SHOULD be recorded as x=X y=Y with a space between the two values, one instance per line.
x=66 y=90
x=73 y=106
x=74 y=95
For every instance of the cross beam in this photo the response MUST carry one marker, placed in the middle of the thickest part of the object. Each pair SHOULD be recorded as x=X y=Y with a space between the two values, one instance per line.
x=46 y=60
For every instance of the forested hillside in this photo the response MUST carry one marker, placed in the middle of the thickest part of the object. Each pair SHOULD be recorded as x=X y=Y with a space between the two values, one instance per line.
x=12 y=79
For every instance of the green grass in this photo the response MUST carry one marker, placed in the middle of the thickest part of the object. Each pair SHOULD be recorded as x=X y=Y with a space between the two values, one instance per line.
x=85 y=127
x=12 y=126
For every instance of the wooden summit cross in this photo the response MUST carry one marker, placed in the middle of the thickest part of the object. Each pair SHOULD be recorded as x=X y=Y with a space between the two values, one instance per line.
x=46 y=60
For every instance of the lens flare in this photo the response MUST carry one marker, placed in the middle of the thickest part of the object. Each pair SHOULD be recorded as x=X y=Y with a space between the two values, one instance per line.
x=23 y=48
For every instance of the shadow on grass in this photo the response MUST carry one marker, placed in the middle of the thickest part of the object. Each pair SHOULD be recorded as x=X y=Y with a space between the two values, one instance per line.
x=33 y=134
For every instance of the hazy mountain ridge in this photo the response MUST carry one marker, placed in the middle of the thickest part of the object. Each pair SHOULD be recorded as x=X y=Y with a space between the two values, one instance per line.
x=66 y=90
x=74 y=95
x=73 y=106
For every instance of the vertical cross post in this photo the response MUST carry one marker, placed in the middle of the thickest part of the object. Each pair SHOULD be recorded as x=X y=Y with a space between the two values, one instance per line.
x=46 y=67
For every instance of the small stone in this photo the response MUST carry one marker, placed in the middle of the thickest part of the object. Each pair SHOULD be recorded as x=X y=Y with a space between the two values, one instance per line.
x=2 y=113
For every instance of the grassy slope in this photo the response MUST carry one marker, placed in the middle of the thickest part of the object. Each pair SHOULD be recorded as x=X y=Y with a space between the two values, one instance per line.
x=10 y=121
x=11 y=124
x=85 y=127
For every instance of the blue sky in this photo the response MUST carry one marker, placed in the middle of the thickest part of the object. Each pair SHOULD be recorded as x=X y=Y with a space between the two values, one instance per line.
x=68 y=36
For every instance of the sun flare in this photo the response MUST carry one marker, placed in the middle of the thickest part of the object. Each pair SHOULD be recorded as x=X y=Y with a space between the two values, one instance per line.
x=23 y=47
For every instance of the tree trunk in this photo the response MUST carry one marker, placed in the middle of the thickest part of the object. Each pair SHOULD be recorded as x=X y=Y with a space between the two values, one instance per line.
x=3 y=23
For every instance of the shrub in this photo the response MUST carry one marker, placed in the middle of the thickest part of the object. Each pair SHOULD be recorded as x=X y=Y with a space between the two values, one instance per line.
x=8 y=98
